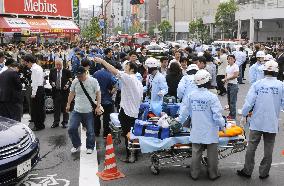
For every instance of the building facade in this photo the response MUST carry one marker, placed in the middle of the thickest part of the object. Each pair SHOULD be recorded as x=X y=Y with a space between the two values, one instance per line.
x=86 y=15
x=152 y=13
x=181 y=12
x=261 y=20
x=37 y=20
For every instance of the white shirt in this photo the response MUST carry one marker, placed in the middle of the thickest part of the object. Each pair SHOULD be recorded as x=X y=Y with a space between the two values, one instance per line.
x=230 y=70
x=223 y=64
x=3 y=69
x=37 y=78
x=240 y=57
x=131 y=94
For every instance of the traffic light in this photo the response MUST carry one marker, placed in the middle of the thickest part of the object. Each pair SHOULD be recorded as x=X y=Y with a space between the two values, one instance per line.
x=136 y=2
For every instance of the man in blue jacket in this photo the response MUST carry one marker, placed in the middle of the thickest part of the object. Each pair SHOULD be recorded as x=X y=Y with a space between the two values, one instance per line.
x=156 y=84
x=266 y=97
x=107 y=82
x=205 y=111
x=255 y=71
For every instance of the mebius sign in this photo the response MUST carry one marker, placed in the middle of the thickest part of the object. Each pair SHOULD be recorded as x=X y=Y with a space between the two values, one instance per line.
x=39 y=7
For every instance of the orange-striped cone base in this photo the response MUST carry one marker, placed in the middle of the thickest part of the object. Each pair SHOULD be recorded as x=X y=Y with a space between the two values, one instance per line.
x=110 y=172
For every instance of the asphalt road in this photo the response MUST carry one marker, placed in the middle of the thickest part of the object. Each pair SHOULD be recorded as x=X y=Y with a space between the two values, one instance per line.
x=57 y=161
x=139 y=173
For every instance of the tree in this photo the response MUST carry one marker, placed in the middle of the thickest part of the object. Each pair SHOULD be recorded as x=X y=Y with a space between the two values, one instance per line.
x=164 y=27
x=225 y=18
x=151 y=31
x=93 y=31
x=135 y=28
x=117 y=29
x=198 y=30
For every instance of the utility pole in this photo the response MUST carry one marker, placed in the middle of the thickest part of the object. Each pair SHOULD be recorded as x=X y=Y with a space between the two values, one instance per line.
x=145 y=17
x=93 y=10
x=105 y=18
x=102 y=7
x=175 y=22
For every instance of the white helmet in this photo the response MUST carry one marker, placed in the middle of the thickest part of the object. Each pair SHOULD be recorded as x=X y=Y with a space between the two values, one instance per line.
x=151 y=62
x=271 y=66
x=192 y=67
x=260 y=54
x=202 y=77
x=268 y=57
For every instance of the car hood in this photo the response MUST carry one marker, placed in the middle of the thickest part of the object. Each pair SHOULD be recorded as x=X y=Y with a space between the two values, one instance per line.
x=10 y=131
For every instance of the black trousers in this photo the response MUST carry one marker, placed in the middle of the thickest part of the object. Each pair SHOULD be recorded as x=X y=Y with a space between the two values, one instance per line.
x=126 y=123
x=244 y=68
x=221 y=84
x=28 y=93
x=11 y=110
x=117 y=99
x=108 y=109
x=60 y=101
x=38 y=108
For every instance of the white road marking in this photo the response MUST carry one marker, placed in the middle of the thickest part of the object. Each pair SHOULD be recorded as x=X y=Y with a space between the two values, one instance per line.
x=239 y=165
x=88 y=165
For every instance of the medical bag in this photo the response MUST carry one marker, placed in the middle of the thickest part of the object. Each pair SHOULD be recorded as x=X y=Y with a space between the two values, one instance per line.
x=148 y=129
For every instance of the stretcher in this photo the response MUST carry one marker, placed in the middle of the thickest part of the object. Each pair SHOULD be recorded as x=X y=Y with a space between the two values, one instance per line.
x=173 y=151
x=176 y=151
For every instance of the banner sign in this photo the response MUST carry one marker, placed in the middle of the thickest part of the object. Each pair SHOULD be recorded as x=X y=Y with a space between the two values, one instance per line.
x=76 y=15
x=55 y=8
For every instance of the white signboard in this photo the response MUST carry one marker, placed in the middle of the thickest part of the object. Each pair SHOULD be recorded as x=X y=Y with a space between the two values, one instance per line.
x=61 y=24
x=17 y=22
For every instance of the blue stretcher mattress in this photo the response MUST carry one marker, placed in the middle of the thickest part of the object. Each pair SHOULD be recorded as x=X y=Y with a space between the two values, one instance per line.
x=148 y=144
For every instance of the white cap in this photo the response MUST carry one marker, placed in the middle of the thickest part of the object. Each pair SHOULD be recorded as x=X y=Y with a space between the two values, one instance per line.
x=192 y=67
x=152 y=62
x=260 y=54
x=138 y=50
x=268 y=57
x=200 y=54
x=202 y=77
x=271 y=66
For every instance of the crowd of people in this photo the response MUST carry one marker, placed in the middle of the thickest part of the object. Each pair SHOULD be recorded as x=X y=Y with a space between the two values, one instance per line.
x=93 y=80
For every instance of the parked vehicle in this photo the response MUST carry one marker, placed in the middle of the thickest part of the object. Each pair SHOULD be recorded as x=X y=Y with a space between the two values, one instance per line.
x=19 y=151
x=155 y=51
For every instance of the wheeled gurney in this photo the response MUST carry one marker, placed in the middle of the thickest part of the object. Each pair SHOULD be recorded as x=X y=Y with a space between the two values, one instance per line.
x=173 y=151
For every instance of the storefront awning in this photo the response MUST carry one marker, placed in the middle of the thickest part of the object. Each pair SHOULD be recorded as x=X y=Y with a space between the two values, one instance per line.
x=62 y=26
x=18 y=25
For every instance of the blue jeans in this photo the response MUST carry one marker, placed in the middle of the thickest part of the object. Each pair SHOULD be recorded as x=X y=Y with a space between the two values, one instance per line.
x=232 y=92
x=75 y=120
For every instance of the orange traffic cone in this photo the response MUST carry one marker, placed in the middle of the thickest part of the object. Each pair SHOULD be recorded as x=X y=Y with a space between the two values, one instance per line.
x=283 y=152
x=110 y=172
